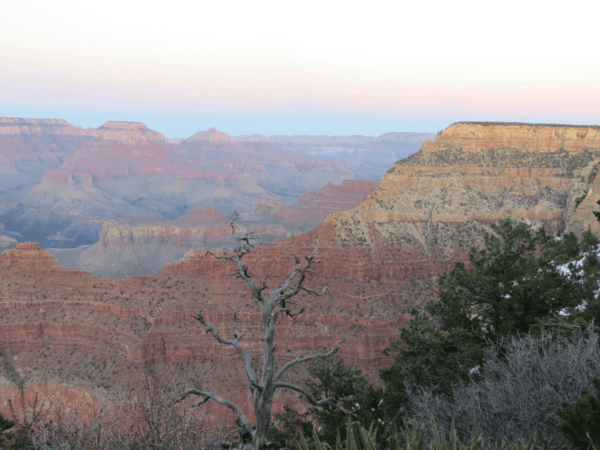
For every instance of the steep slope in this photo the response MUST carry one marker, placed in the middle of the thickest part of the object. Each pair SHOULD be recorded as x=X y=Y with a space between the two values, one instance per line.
x=283 y=173
x=314 y=206
x=130 y=247
x=59 y=179
x=379 y=259
x=369 y=156
x=81 y=336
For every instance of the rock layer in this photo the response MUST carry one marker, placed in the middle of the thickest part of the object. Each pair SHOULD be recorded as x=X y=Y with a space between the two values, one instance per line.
x=133 y=247
x=314 y=206
x=369 y=156
x=379 y=259
x=55 y=178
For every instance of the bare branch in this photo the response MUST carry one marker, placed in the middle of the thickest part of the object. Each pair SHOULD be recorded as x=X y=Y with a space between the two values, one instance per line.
x=263 y=390
x=310 y=291
x=247 y=238
x=296 y=259
x=242 y=271
x=235 y=217
x=293 y=362
x=286 y=285
x=288 y=312
x=323 y=402
x=235 y=343
x=208 y=395
x=279 y=295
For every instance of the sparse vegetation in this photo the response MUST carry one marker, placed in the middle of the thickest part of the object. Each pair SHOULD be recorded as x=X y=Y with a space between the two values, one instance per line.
x=580 y=199
x=264 y=382
x=505 y=357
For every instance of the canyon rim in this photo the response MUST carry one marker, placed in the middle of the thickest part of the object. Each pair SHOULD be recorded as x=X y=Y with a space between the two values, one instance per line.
x=83 y=336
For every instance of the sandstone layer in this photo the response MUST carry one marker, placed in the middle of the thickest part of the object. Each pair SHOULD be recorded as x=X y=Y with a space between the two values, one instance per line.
x=137 y=247
x=314 y=206
x=379 y=259
x=79 y=333
x=369 y=156
x=57 y=179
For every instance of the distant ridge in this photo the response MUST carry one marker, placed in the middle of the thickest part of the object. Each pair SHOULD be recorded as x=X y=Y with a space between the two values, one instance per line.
x=398 y=136
x=526 y=124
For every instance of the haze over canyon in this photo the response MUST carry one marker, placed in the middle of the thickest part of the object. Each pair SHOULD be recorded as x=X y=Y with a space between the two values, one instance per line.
x=147 y=206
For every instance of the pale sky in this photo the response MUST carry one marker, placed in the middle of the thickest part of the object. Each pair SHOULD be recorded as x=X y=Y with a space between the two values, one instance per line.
x=310 y=67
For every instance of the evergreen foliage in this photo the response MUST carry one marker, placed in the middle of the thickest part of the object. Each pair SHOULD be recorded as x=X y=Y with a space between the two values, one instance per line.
x=5 y=435
x=513 y=286
x=513 y=282
x=580 y=423
x=347 y=387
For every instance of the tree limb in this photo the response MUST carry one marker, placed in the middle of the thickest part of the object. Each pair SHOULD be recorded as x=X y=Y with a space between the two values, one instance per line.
x=288 y=312
x=233 y=342
x=293 y=362
x=208 y=395
x=234 y=218
x=323 y=402
x=242 y=269
x=279 y=295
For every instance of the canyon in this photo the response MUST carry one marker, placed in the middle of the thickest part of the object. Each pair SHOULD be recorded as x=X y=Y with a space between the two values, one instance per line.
x=83 y=336
x=59 y=183
x=129 y=247
x=369 y=156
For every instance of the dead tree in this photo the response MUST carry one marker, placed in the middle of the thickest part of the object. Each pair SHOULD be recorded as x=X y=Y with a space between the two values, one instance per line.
x=264 y=382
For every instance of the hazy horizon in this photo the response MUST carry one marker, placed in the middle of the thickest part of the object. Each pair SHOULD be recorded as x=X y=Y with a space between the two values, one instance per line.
x=173 y=127
x=334 y=68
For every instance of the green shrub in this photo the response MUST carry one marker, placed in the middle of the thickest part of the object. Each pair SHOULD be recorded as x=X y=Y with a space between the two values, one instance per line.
x=360 y=438
x=19 y=440
x=578 y=200
x=5 y=425
x=580 y=423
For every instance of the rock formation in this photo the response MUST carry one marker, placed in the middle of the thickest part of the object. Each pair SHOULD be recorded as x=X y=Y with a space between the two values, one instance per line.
x=132 y=247
x=370 y=157
x=314 y=206
x=380 y=259
x=127 y=133
x=69 y=331
x=212 y=135
x=57 y=178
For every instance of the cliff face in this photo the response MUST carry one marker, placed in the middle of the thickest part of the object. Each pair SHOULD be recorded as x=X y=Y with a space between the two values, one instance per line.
x=128 y=248
x=473 y=174
x=369 y=156
x=474 y=137
x=84 y=337
x=212 y=135
x=315 y=206
x=57 y=178
x=17 y=126
x=127 y=133
x=379 y=259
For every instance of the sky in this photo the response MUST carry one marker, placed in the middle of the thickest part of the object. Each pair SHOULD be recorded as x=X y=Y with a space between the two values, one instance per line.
x=310 y=67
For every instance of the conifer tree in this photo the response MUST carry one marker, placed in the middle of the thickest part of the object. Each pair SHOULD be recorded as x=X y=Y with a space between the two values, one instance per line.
x=580 y=423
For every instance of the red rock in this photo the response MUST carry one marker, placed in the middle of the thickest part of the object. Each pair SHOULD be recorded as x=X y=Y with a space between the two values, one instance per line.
x=379 y=259
x=314 y=206
x=206 y=215
x=58 y=177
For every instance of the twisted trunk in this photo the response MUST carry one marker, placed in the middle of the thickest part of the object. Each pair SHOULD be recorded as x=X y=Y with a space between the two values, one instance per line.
x=263 y=388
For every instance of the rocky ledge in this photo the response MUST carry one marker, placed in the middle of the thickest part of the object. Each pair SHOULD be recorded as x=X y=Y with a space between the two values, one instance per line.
x=379 y=259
